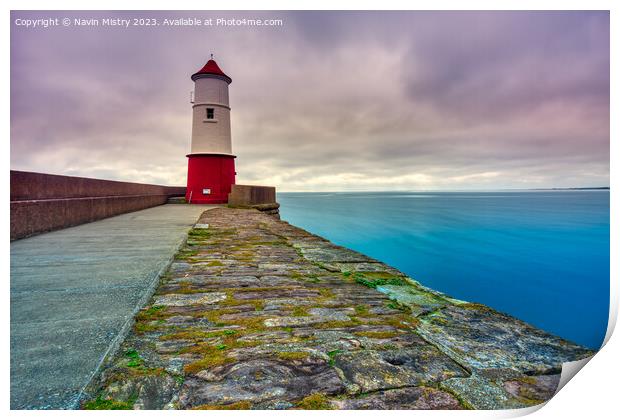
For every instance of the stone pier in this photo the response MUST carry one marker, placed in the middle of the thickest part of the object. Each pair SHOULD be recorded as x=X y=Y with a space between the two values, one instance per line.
x=255 y=313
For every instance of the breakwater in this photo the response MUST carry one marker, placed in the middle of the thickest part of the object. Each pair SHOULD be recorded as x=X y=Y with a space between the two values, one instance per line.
x=256 y=313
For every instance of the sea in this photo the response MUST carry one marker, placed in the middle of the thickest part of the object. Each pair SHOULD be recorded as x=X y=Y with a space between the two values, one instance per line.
x=539 y=255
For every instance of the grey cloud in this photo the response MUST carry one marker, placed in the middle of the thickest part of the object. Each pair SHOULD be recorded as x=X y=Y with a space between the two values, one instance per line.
x=394 y=100
x=498 y=64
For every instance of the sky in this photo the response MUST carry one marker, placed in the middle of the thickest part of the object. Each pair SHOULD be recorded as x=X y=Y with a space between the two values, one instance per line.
x=328 y=101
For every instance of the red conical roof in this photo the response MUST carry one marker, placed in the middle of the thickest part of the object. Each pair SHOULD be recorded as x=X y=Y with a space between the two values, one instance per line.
x=211 y=68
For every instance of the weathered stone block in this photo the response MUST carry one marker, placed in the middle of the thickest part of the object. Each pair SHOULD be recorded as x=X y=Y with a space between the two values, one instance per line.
x=377 y=370
x=262 y=380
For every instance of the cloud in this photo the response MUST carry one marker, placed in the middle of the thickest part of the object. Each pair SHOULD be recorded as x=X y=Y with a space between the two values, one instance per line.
x=329 y=101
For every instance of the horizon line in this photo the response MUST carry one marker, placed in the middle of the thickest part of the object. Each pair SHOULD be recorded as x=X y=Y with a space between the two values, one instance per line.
x=449 y=190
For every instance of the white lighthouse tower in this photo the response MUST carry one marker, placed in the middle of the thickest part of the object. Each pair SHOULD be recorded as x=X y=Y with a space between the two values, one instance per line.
x=211 y=164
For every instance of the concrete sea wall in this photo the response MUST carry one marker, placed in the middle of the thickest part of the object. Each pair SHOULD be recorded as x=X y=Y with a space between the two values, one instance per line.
x=44 y=202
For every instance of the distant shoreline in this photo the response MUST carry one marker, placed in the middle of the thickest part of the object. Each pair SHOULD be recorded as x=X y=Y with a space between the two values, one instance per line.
x=573 y=188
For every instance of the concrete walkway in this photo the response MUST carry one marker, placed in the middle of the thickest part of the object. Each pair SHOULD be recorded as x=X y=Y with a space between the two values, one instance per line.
x=74 y=293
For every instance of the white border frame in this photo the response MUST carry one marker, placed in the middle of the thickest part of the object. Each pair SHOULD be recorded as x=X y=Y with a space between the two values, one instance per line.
x=593 y=394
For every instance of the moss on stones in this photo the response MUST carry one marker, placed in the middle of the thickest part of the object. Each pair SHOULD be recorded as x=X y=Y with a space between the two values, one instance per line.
x=300 y=311
x=240 y=405
x=397 y=306
x=186 y=254
x=208 y=361
x=150 y=319
x=326 y=294
x=108 y=404
x=152 y=313
x=374 y=279
x=399 y=321
x=215 y=264
x=332 y=354
x=142 y=327
x=292 y=355
x=196 y=335
x=327 y=325
x=199 y=234
x=361 y=310
x=378 y=334
x=316 y=401
x=134 y=358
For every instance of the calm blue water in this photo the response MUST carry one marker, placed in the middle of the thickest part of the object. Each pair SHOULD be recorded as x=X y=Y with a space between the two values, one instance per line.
x=542 y=256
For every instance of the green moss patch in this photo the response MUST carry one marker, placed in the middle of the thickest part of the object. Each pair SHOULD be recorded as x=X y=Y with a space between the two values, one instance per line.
x=361 y=310
x=315 y=402
x=215 y=264
x=134 y=359
x=214 y=354
x=326 y=293
x=186 y=254
x=397 y=306
x=241 y=405
x=397 y=321
x=332 y=355
x=152 y=313
x=108 y=404
x=142 y=327
x=208 y=361
x=328 y=325
x=300 y=311
x=373 y=280
x=196 y=335
x=199 y=234
x=146 y=317
x=292 y=355
x=378 y=334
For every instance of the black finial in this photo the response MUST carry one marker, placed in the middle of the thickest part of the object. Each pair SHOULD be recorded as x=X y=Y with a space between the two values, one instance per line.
x=211 y=56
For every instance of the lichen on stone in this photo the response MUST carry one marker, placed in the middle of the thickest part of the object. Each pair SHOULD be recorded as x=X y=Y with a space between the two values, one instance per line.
x=254 y=313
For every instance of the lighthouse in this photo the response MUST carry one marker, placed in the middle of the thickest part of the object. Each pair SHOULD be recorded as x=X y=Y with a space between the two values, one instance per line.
x=211 y=164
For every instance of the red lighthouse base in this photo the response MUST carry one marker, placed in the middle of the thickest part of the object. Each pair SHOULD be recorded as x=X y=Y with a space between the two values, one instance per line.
x=209 y=178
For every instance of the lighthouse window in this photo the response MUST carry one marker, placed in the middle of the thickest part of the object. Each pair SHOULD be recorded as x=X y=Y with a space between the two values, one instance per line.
x=210 y=113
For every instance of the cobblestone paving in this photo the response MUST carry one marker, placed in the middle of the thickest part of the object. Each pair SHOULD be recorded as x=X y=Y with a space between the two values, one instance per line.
x=257 y=314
